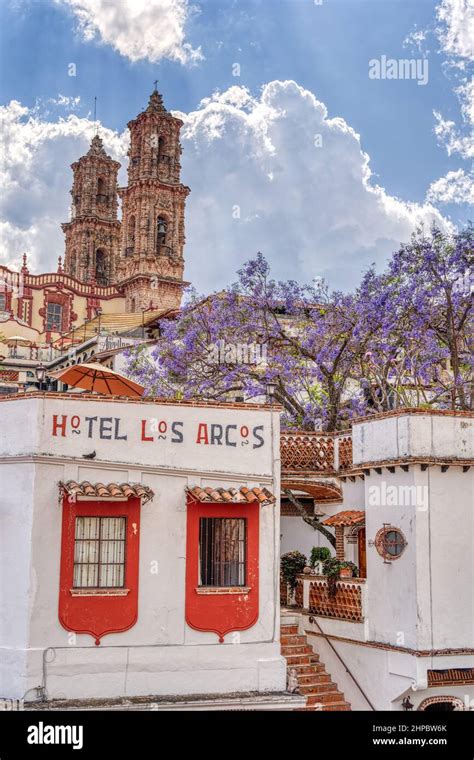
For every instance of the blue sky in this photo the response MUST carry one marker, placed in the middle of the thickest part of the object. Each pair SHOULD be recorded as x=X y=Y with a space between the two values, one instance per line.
x=325 y=48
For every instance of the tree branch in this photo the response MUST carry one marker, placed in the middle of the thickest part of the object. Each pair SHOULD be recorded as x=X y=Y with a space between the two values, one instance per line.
x=313 y=521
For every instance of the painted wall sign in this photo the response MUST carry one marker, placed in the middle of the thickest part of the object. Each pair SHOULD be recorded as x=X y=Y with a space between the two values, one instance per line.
x=153 y=430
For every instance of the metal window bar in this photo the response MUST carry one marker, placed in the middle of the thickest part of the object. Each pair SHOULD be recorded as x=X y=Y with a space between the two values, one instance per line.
x=222 y=551
x=99 y=552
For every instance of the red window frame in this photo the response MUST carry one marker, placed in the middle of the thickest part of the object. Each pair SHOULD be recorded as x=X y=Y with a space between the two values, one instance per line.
x=91 y=610
x=222 y=609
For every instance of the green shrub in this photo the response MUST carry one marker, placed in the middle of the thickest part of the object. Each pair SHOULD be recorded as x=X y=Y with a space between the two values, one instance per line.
x=332 y=570
x=319 y=554
x=292 y=563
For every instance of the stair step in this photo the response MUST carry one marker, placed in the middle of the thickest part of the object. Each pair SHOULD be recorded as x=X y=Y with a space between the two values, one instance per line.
x=315 y=686
x=298 y=659
x=289 y=629
x=333 y=706
x=325 y=698
x=311 y=676
x=292 y=638
x=323 y=688
x=314 y=682
x=291 y=649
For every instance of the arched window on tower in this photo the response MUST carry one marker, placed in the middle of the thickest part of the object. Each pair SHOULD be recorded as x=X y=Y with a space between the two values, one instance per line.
x=130 y=247
x=73 y=264
x=132 y=306
x=161 y=232
x=101 y=273
x=101 y=194
x=161 y=148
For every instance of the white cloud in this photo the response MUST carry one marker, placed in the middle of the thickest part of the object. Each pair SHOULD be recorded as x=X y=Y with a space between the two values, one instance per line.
x=456 y=35
x=138 y=29
x=67 y=102
x=456 y=29
x=313 y=211
x=452 y=138
x=455 y=187
x=36 y=177
x=416 y=41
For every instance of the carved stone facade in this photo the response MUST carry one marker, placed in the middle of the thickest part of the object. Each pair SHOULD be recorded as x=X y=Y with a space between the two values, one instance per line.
x=93 y=234
x=142 y=255
x=111 y=267
x=151 y=258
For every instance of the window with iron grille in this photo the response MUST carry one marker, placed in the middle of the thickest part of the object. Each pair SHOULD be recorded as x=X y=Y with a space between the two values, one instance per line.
x=3 y=302
x=222 y=551
x=99 y=552
x=54 y=317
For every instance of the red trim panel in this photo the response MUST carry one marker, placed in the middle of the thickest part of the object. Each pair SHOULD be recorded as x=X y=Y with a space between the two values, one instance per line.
x=115 y=611
x=225 y=610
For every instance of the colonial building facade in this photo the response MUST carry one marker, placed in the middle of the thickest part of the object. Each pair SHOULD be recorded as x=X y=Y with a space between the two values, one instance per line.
x=111 y=266
x=161 y=573
x=396 y=633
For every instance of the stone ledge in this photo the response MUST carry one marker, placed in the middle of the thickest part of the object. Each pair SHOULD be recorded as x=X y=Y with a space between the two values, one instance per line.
x=252 y=701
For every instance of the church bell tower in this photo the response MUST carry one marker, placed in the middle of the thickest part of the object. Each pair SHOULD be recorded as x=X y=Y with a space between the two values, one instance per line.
x=151 y=262
x=93 y=234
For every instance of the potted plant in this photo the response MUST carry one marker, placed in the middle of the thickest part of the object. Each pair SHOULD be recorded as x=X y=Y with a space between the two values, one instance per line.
x=319 y=555
x=292 y=564
x=334 y=569
x=349 y=570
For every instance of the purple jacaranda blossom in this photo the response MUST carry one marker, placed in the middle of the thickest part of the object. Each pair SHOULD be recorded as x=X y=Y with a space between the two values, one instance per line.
x=402 y=338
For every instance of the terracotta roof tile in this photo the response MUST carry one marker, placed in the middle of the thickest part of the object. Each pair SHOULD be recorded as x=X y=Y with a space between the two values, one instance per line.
x=350 y=517
x=450 y=677
x=106 y=491
x=242 y=495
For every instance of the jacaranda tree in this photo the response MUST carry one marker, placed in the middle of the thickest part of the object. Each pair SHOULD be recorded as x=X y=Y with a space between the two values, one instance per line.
x=401 y=339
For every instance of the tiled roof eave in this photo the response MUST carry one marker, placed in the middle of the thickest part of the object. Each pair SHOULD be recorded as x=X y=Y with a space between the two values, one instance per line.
x=231 y=495
x=111 y=491
x=346 y=518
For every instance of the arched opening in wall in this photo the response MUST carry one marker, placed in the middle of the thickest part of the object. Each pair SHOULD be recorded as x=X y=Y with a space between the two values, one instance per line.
x=441 y=703
x=161 y=233
x=133 y=306
x=130 y=247
x=101 y=269
x=73 y=264
x=161 y=149
x=101 y=194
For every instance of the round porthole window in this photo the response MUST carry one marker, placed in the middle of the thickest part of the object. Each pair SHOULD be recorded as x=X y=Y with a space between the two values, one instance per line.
x=390 y=542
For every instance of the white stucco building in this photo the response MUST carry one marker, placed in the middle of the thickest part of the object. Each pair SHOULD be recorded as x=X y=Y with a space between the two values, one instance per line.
x=406 y=628
x=139 y=549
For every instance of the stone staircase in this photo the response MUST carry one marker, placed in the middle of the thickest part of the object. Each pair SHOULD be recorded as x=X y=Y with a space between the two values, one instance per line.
x=313 y=680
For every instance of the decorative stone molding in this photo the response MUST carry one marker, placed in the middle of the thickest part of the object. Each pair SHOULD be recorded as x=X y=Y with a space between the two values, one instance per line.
x=456 y=701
